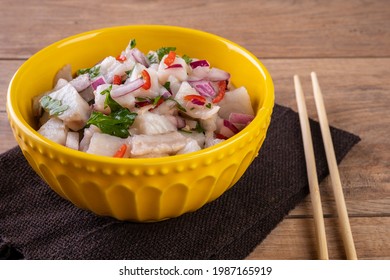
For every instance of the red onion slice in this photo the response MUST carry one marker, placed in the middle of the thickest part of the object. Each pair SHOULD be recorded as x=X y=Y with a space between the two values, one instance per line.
x=127 y=88
x=139 y=57
x=197 y=102
x=204 y=88
x=174 y=66
x=239 y=118
x=231 y=126
x=166 y=94
x=97 y=82
x=199 y=63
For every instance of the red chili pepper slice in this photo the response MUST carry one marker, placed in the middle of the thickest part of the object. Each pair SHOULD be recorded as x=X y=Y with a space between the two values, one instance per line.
x=121 y=58
x=221 y=91
x=170 y=58
x=117 y=80
x=159 y=102
x=196 y=99
x=121 y=151
x=146 y=77
x=220 y=136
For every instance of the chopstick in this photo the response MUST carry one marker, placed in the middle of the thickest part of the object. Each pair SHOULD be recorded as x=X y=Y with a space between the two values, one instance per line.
x=311 y=172
x=345 y=227
x=342 y=213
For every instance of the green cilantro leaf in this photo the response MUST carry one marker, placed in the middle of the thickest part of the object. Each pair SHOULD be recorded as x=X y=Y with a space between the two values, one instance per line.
x=163 y=51
x=116 y=123
x=187 y=59
x=132 y=44
x=152 y=56
x=109 y=102
x=199 y=128
x=179 y=106
x=53 y=106
x=93 y=72
x=167 y=85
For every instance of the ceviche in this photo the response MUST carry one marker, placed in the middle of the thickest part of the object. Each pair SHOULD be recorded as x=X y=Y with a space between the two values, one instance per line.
x=143 y=105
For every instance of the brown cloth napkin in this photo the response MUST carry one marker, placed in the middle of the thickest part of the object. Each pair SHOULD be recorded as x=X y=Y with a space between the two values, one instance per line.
x=35 y=223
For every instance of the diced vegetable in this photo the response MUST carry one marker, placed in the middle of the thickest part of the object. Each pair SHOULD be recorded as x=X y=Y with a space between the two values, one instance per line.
x=170 y=58
x=146 y=77
x=116 y=123
x=121 y=151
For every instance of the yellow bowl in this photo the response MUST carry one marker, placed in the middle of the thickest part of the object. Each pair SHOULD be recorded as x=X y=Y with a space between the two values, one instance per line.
x=139 y=189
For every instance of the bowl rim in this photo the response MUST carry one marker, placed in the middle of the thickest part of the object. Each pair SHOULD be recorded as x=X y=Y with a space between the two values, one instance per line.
x=15 y=115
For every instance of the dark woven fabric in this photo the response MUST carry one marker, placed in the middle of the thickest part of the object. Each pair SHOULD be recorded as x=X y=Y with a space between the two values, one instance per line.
x=35 y=223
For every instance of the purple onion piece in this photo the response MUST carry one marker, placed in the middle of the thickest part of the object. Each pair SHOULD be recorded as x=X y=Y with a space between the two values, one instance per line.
x=231 y=126
x=174 y=66
x=204 y=88
x=127 y=88
x=239 y=118
x=197 y=102
x=139 y=57
x=199 y=63
x=97 y=82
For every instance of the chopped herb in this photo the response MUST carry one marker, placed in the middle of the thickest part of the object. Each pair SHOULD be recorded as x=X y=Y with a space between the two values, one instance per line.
x=167 y=85
x=149 y=100
x=141 y=99
x=185 y=130
x=53 y=106
x=132 y=44
x=82 y=71
x=163 y=51
x=116 y=124
x=128 y=73
x=109 y=102
x=153 y=58
x=156 y=100
x=93 y=72
x=208 y=105
x=181 y=108
x=187 y=59
x=199 y=128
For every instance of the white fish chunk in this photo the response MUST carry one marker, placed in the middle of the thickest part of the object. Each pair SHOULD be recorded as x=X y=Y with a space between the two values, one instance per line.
x=72 y=140
x=81 y=82
x=110 y=67
x=78 y=112
x=193 y=110
x=199 y=137
x=191 y=146
x=151 y=124
x=106 y=145
x=55 y=130
x=210 y=140
x=169 y=143
x=235 y=101
x=86 y=140
x=179 y=73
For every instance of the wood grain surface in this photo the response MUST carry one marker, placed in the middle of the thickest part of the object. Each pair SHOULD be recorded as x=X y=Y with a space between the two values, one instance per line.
x=347 y=43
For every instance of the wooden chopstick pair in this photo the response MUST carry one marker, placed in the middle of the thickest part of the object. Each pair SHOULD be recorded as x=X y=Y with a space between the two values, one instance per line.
x=312 y=172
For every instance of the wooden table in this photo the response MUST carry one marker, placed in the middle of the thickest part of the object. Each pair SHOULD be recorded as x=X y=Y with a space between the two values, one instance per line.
x=346 y=42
